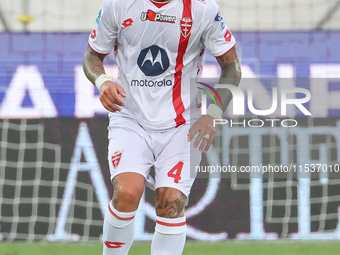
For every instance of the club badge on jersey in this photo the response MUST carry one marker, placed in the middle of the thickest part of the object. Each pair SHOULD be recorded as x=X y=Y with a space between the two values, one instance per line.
x=186 y=25
x=116 y=158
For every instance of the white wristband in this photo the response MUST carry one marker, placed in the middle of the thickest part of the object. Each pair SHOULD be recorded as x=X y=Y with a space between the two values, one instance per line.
x=101 y=79
x=214 y=111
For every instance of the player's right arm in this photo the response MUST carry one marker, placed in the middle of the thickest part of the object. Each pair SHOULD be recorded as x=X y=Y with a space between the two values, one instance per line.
x=101 y=42
x=110 y=92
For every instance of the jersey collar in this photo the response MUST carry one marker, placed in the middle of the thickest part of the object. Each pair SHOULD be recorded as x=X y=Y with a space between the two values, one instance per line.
x=160 y=4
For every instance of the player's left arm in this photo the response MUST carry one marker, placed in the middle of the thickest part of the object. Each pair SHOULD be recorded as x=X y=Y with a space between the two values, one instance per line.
x=231 y=74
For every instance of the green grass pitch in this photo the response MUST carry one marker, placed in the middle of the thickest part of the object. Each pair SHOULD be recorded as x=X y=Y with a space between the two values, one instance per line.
x=192 y=248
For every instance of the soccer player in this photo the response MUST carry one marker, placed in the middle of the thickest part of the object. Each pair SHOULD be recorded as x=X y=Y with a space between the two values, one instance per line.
x=158 y=46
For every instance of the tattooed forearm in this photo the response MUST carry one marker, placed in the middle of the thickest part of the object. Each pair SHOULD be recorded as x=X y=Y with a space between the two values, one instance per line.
x=231 y=74
x=224 y=59
x=170 y=203
x=231 y=70
x=93 y=64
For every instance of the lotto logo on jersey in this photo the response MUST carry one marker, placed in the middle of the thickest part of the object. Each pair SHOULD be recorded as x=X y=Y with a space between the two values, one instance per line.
x=127 y=23
x=114 y=245
x=157 y=17
x=228 y=36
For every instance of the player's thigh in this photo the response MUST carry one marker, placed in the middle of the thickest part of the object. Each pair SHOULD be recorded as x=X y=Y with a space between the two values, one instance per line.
x=129 y=159
x=174 y=166
x=128 y=152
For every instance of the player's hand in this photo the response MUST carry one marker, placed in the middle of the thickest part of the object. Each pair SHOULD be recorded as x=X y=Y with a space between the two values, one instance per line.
x=204 y=126
x=110 y=96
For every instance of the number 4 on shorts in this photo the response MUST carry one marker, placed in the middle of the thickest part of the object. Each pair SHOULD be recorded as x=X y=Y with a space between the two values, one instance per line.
x=176 y=171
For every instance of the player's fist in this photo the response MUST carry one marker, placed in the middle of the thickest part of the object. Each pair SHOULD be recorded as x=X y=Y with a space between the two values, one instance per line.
x=111 y=96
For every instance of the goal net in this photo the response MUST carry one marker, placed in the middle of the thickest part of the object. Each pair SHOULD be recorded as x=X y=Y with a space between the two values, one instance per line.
x=47 y=195
x=42 y=195
x=298 y=195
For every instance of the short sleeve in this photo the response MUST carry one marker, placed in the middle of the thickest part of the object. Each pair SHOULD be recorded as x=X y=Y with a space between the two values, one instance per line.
x=103 y=37
x=217 y=37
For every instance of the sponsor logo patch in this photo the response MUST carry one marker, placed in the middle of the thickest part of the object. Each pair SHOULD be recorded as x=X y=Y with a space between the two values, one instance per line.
x=100 y=15
x=151 y=83
x=218 y=17
x=153 y=61
x=157 y=17
x=94 y=31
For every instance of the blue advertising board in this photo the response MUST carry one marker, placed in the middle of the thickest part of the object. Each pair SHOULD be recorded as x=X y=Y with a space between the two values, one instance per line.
x=41 y=73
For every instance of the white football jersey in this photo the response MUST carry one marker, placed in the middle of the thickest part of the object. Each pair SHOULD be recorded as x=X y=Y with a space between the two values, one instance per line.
x=159 y=49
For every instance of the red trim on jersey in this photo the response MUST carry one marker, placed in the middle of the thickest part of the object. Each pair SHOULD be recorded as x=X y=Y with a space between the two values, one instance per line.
x=159 y=4
x=119 y=218
x=183 y=45
x=227 y=51
x=98 y=52
x=171 y=224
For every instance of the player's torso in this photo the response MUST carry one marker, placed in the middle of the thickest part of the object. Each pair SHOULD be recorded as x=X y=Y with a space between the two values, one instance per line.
x=153 y=46
x=150 y=36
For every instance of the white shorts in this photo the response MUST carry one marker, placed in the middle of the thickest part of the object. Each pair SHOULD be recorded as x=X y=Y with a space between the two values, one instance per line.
x=133 y=149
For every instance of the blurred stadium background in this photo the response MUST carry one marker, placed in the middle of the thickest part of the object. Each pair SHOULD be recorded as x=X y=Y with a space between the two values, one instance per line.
x=53 y=168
